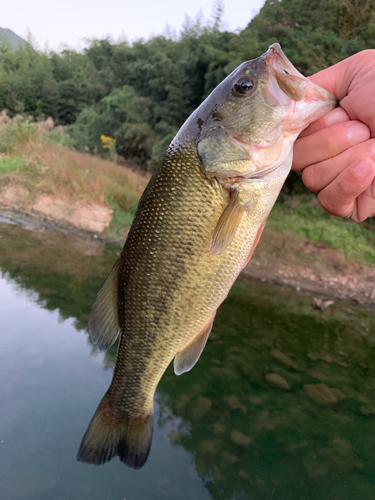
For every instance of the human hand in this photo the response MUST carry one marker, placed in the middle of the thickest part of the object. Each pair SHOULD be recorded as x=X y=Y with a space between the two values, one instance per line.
x=336 y=154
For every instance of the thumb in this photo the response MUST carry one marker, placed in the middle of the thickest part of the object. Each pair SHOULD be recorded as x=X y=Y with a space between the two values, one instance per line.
x=352 y=81
x=335 y=79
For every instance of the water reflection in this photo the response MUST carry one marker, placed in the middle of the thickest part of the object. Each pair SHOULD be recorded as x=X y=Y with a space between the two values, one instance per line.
x=251 y=435
x=281 y=404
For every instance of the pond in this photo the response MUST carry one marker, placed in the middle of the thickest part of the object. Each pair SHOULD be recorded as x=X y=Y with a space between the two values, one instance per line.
x=281 y=404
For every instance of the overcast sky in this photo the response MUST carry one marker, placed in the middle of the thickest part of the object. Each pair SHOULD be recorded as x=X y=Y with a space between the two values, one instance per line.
x=70 y=22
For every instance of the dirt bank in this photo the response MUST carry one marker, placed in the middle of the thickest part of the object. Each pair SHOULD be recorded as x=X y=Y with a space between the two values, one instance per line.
x=306 y=265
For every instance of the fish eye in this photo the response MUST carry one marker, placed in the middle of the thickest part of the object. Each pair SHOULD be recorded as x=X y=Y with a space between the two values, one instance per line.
x=244 y=85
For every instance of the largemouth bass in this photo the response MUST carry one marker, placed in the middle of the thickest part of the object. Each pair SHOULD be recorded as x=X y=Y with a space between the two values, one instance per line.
x=195 y=228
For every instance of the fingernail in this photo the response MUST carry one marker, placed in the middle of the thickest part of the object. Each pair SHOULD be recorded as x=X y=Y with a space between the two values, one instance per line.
x=373 y=147
x=358 y=133
x=362 y=169
x=338 y=115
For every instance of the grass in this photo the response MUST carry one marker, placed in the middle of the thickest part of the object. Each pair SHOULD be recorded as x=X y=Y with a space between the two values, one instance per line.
x=39 y=157
x=305 y=218
x=80 y=178
x=15 y=163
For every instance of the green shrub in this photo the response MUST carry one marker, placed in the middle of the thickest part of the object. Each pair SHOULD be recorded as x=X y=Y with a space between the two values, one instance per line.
x=13 y=164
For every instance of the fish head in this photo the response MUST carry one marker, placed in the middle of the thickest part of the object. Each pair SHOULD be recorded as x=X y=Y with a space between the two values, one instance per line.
x=248 y=124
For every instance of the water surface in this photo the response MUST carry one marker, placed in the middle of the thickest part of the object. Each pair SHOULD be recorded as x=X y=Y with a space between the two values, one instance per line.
x=221 y=431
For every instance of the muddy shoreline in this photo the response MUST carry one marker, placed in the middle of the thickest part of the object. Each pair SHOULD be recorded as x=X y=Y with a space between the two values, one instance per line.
x=282 y=260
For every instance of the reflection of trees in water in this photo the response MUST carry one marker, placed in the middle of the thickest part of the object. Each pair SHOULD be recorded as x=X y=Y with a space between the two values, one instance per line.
x=65 y=271
x=249 y=440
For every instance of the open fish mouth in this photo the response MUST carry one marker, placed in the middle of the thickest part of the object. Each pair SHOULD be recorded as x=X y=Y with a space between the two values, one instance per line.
x=285 y=81
x=276 y=59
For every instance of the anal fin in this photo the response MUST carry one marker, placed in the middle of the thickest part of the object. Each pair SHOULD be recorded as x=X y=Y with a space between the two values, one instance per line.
x=186 y=359
x=226 y=226
x=103 y=323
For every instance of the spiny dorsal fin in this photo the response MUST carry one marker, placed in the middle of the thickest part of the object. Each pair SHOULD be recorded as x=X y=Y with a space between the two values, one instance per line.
x=103 y=323
x=186 y=359
x=226 y=226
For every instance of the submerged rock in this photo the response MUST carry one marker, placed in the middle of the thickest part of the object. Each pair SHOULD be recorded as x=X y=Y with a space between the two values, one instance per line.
x=313 y=355
x=209 y=447
x=239 y=438
x=219 y=428
x=201 y=407
x=341 y=453
x=243 y=474
x=277 y=381
x=327 y=358
x=323 y=395
x=367 y=410
x=181 y=402
x=256 y=400
x=234 y=403
x=338 y=457
x=283 y=358
x=315 y=467
x=336 y=392
x=229 y=458
x=217 y=475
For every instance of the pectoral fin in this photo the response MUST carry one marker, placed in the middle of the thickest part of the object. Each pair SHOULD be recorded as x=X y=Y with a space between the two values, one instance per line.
x=226 y=226
x=103 y=323
x=186 y=359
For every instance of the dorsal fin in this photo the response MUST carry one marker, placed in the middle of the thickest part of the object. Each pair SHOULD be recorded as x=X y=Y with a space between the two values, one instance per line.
x=103 y=323
x=186 y=359
x=226 y=226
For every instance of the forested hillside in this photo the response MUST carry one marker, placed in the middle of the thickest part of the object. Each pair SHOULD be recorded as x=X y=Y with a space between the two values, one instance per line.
x=140 y=94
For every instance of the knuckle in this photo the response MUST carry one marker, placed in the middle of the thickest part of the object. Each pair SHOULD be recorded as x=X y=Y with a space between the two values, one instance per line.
x=328 y=204
x=325 y=202
x=332 y=205
x=344 y=189
x=309 y=178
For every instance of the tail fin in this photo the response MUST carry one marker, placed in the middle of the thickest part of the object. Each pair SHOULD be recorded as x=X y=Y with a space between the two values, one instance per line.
x=108 y=436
